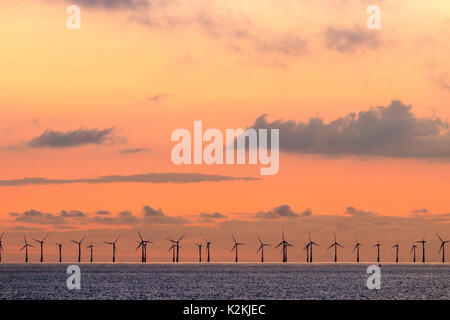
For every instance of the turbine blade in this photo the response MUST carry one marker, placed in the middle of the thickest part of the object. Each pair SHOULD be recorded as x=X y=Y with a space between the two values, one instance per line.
x=140 y=236
x=45 y=237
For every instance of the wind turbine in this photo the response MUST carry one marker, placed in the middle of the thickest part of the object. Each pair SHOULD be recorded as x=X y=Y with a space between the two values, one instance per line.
x=173 y=248
x=284 y=245
x=26 y=248
x=357 y=245
x=307 y=251
x=208 y=248
x=79 y=247
x=311 y=244
x=59 y=250
x=378 y=245
x=235 y=247
x=177 y=246
x=91 y=246
x=335 y=245
x=113 y=244
x=442 y=247
x=396 y=251
x=41 y=242
x=199 y=245
x=413 y=248
x=423 y=241
x=1 y=246
x=143 y=245
x=261 y=248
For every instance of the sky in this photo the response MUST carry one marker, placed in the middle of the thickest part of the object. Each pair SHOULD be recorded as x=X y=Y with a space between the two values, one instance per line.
x=87 y=117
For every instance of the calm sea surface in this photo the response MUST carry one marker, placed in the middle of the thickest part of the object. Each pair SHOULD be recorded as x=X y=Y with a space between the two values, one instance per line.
x=224 y=281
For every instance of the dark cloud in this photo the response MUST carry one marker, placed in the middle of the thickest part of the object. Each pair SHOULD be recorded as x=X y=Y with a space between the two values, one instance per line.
x=79 y=137
x=214 y=215
x=392 y=131
x=153 y=216
x=102 y=212
x=138 y=178
x=112 y=4
x=283 y=211
x=157 y=98
x=423 y=210
x=350 y=40
x=134 y=150
x=122 y=218
x=38 y=217
x=352 y=211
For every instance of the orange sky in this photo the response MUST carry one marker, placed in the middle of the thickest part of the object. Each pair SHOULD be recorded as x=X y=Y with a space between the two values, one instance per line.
x=225 y=64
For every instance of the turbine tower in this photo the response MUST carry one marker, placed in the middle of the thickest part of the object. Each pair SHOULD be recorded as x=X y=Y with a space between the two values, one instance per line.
x=335 y=245
x=176 y=247
x=143 y=245
x=91 y=246
x=442 y=247
x=284 y=247
x=311 y=244
x=378 y=245
x=396 y=251
x=261 y=248
x=173 y=247
x=235 y=247
x=423 y=241
x=26 y=248
x=1 y=246
x=199 y=245
x=59 y=250
x=41 y=242
x=79 y=247
x=357 y=245
x=208 y=248
x=413 y=249
x=113 y=244
x=307 y=251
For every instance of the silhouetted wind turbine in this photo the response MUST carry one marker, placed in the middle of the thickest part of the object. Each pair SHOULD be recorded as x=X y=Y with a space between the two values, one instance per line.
x=310 y=245
x=307 y=251
x=396 y=251
x=413 y=248
x=26 y=248
x=199 y=245
x=378 y=245
x=143 y=245
x=235 y=247
x=335 y=245
x=41 y=242
x=423 y=241
x=284 y=245
x=79 y=247
x=1 y=246
x=261 y=248
x=173 y=247
x=442 y=247
x=357 y=245
x=177 y=247
x=208 y=248
x=113 y=244
x=59 y=250
x=91 y=246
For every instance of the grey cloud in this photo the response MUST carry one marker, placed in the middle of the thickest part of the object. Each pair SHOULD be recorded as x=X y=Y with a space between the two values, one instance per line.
x=283 y=211
x=157 y=98
x=352 y=211
x=38 y=217
x=112 y=4
x=350 y=40
x=122 y=218
x=102 y=212
x=153 y=216
x=138 y=178
x=134 y=150
x=392 y=131
x=214 y=215
x=59 y=139
x=423 y=210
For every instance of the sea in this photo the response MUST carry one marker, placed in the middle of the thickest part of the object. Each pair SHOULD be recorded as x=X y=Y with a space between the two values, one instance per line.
x=223 y=281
